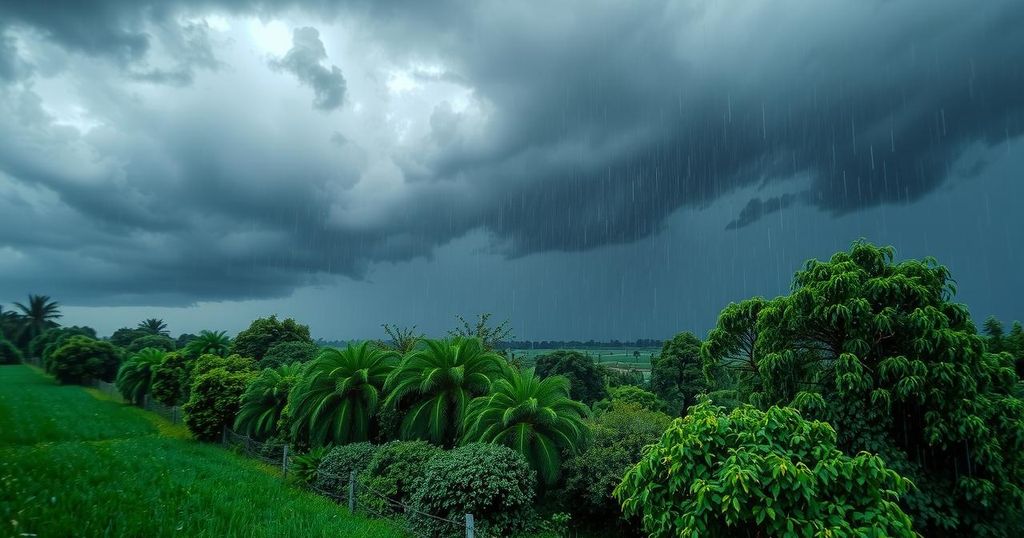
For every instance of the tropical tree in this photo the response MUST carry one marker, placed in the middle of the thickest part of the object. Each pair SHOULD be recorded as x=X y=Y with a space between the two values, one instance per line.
x=400 y=339
x=153 y=326
x=39 y=315
x=264 y=400
x=264 y=333
x=533 y=416
x=135 y=377
x=10 y=323
x=586 y=379
x=677 y=374
x=209 y=343
x=434 y=384
x=339 y=393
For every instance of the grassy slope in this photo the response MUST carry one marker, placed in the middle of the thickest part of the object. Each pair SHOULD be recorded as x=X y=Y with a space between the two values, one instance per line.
x=74 y=464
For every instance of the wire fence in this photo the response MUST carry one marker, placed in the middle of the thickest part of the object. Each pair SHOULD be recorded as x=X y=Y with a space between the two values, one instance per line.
x=171 y=413
x=109 y=389
x=356 y=493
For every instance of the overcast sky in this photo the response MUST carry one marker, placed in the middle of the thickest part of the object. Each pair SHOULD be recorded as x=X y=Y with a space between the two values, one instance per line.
x=586 y=169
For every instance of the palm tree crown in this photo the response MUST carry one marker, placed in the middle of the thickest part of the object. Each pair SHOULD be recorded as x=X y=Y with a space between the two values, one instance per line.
x=533 y=416
x=265 y=399
x=435 y=383
x=136 y=375
x=209 y=343
x=39 y=315
x=153 y=326
x=339 y=393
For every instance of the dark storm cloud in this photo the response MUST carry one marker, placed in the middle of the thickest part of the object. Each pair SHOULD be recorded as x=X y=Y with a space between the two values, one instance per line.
x=602 y=118
x=303 y=61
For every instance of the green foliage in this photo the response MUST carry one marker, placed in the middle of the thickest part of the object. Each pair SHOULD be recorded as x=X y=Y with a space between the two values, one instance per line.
x=676 y=373
x=395 y=471
x=489 y=337
x=39 y=315
x=135 y=376
x=289 y=352
x=730 y=354
x=338 y=395
x=264 y=400
x=9 y=353
x=303 y=466
x=492 y=482
x=434 y=384
x=184 y=339
x=153 y=326
x=878 y=350
x=332 y=475
x=263 y=333
x=401 y=340
x=124 y=336
x=155 y=341
x=615 y=377
x=216 y=394
x=209 y=343
x=533 y=416
x=764 y=474
x=172 y=379
x=40 y=343
x=630 y=394
x=81 y=358
x=619 y=437
x=586 y=384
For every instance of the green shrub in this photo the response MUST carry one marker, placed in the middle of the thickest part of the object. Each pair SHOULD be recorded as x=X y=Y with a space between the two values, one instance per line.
x=289 y=352
x=332 y=474
x=395 y=470
x=764 y=474
x=81 y=358
x=57 y=338
x=231 y=363
x=264 y=400
x=492 y=482
x=630 y=394
x=9 y=353
x=171 y=379
x=303 y=467
x=214 y=401
x=135 y=376
x=264 y=333
x=155 y=341
x=619 y=437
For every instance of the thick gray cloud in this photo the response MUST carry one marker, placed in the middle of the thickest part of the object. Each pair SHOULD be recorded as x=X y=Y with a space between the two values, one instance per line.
x=303 y=61
x=587 y=124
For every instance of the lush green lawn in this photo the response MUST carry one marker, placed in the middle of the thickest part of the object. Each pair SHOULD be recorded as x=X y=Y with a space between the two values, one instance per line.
x=75 y=464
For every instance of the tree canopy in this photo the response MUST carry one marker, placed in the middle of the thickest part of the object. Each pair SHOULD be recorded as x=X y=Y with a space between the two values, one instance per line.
x=264 y=333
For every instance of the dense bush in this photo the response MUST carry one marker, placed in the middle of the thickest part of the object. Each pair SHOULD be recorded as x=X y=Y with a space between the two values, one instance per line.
x=620 y=435
x=214 y=400
x=492 y=482
x=332 y=475
x=586 y=382
x=155 y=341
x=264 y=401
x=764 y=474
x=231 y=363
x=38 y=345
x=124 y=336
x=171 y=379
x=395 y=471
x=264 y=333
x=629 y=394
x=81 y=358
x=677 y=375
x=289 y=352
x=135 y=377
x=9 y=354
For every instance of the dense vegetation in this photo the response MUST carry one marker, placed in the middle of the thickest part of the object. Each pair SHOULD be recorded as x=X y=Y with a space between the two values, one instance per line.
x=865 y=401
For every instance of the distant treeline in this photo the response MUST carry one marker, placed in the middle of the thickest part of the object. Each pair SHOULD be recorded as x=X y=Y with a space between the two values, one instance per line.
x=541 y=344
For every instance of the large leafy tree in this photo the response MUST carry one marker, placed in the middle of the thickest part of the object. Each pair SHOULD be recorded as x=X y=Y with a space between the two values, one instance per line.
x=434 y=384
x=209 y=343
x=757 y=473
x=264 y=400
x=264 y=333
x=135 y=377
x=586 y=380
x=81 y=358
x=171 y=379
x=533 y=416
x=878 y=349
x=338 y=396
x=39 y=315
x=153 y=326
x=677 y=374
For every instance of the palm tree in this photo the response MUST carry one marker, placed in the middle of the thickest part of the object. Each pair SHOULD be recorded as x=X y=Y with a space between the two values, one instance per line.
x=209 y=343
x=339 y=393
x=38 y=316
x=531 y=415
x=153 y=326
x=9 y=322
x=265 y=399
x=136 y=375
x=435 y=384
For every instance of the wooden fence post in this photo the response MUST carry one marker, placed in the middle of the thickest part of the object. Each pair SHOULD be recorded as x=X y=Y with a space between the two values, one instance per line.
x=284 y=462
x=352 y=492
x=470 y=527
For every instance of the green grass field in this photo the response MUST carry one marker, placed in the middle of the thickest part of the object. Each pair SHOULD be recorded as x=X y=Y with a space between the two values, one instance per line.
x=73 y=463
x=616 y=358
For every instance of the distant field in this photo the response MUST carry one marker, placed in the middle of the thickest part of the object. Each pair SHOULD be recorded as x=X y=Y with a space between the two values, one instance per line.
x=75 y=464
x=612 y=357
